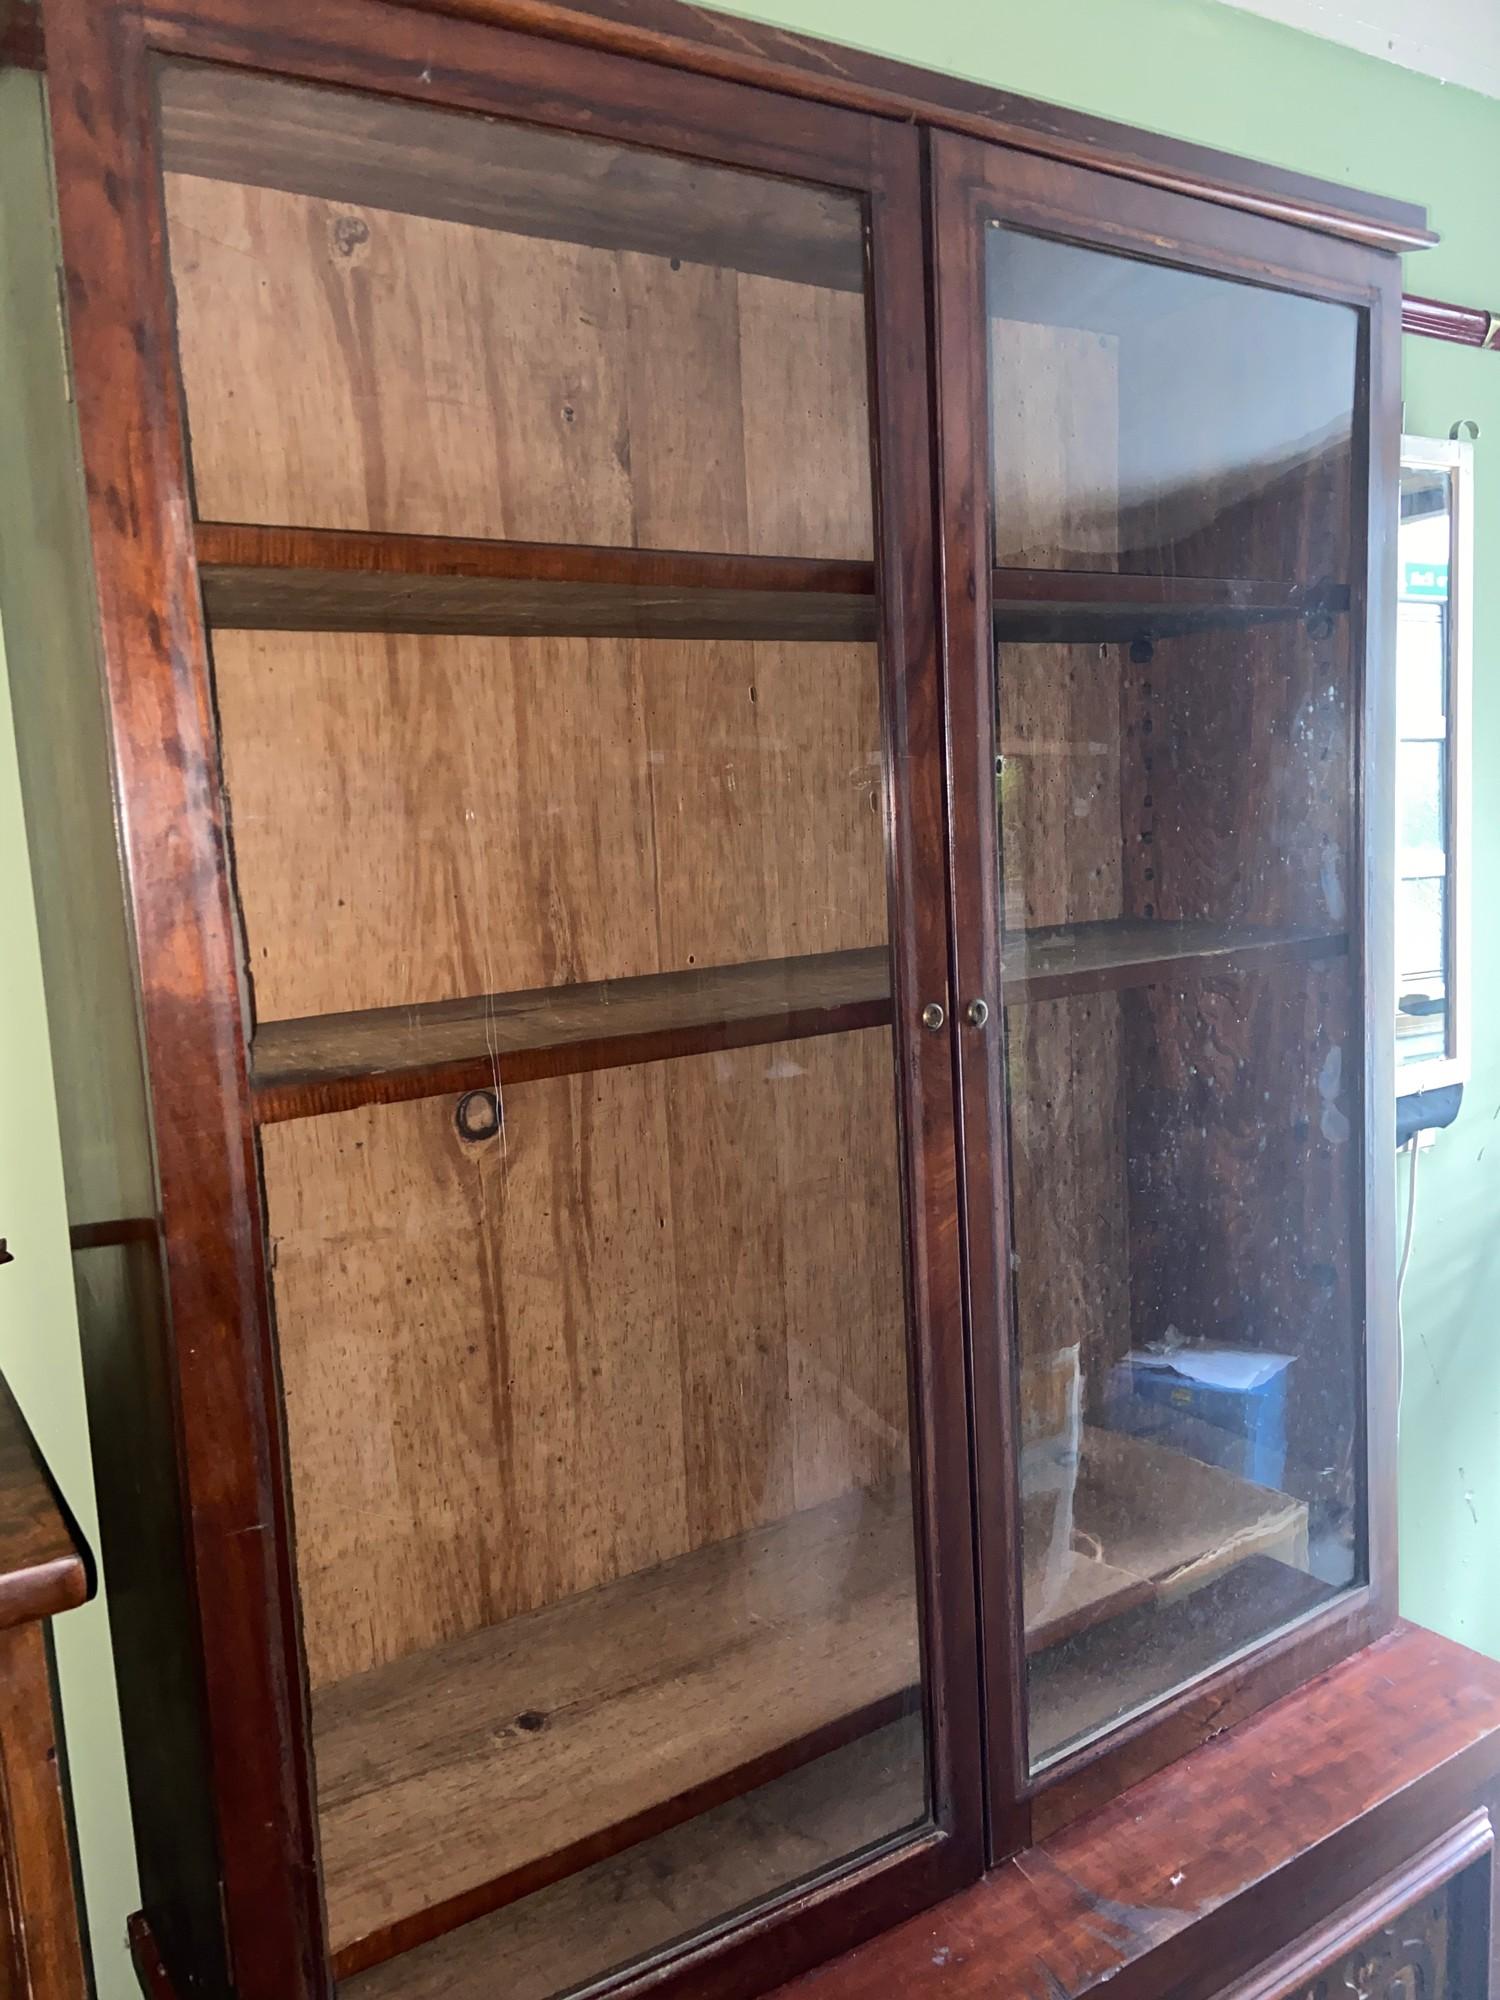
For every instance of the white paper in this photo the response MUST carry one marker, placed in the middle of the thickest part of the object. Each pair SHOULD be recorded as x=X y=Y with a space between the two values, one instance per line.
x=1234 y=1368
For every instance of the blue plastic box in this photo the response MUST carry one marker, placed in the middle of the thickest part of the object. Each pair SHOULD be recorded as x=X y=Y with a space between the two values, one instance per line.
x=1241 y=1429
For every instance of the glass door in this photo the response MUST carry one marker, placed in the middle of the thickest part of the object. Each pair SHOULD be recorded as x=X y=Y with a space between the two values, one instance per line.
x=1166 y=565
x=563 y=674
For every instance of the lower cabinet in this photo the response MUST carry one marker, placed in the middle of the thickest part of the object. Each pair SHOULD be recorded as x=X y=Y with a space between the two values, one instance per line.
x=1421 y=1934
x=1338 y=1846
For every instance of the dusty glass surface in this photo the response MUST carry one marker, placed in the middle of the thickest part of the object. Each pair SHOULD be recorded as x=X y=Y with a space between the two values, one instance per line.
x=594 y=1361
x=1182 y=1028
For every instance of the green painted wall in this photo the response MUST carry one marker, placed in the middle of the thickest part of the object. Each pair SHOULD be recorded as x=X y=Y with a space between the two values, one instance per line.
x=41 y=536
x=1202 y=72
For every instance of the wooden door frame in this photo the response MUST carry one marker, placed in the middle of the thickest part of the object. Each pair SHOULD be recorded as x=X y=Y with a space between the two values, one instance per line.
x=194 y=1004
x=973 y=183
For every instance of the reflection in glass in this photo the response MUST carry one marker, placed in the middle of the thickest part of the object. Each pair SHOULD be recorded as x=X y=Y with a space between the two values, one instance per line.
x=1164 y=421
x=1182 y=1028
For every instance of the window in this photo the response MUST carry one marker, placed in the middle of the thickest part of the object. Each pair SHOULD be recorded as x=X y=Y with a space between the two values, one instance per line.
x=1432 y=791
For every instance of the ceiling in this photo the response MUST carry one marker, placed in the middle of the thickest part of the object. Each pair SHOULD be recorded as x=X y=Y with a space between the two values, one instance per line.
x=1457 y=41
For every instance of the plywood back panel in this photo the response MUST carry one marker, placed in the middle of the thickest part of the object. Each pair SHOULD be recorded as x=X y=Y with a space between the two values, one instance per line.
x=1244 y=1095
x=430 y=818
x=1070 y=1238
x=1059 y=783
x=357 y=368
x=1235 y=779
x=1055 y=413
x=1243 y=1133
x=665 y=1305
x=1054 y=445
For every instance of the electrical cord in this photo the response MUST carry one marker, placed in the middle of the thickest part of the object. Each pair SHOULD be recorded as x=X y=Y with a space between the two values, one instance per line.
x=1411 y=1223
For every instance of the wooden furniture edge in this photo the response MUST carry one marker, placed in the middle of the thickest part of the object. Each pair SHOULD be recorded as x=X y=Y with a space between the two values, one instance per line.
x=45 y=1564
x=20 y=36
x=45 y=1568
x=1431 y=1868
x=155 y=1981
x=683 y=35
x=805 y=65
x=952 y=1952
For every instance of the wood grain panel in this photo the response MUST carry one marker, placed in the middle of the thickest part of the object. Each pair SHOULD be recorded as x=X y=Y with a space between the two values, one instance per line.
x=1242 y=1141
x=1059 y=784
x=1054 y=415
x=520 y=1368
x=729 y=1240
x=479 y=1377
x=1054 y=443
x=1238 y=805
x=684 y=412
x=807 y=437
x=1068 y=1200
x=1235 y=761
x=453 y=817
x=846 y=1355
x=452 y=380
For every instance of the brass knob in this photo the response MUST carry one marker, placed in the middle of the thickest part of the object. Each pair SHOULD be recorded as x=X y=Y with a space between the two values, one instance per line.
x=933 y=1016
x=978 y=1012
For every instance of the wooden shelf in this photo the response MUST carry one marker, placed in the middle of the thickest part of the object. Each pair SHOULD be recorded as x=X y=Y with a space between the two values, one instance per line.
x=674 y=1885
x=1106 y=1673
x=1068 y=607
x=329 y=580
x=459 y=1780
x=1163 y=1526
x=1050 y=964
x=334 y=1062
x=279 y=579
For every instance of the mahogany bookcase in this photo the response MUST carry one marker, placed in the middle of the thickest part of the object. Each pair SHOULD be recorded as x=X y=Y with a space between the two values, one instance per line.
x=733 y=1197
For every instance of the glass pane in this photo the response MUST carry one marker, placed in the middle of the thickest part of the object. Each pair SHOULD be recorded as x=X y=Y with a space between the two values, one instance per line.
x=1183 y=1035
x=1421 y=668
x=1421 y=982
x=1420 y=808
x=566 y=932
x=1164 y=422
x=503 y=331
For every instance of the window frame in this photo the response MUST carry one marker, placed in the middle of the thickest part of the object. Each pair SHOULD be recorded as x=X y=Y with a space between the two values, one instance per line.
x=1456 y=457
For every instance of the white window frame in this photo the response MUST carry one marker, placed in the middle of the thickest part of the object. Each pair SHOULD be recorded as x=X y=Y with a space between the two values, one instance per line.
x=1455 y=456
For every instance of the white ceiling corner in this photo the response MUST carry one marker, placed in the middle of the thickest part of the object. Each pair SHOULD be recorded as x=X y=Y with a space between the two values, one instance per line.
x=1457 y=41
